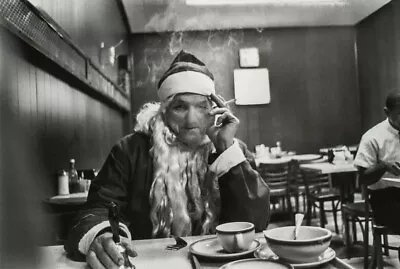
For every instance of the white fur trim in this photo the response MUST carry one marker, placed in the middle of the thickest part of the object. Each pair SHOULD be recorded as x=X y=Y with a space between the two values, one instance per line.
x=231 y=157
x=186 y=82
x=88 y=238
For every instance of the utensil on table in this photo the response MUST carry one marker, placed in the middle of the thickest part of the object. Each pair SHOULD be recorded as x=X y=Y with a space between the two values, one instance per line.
x=298 y=220
x=113 y=218
x=179 y=243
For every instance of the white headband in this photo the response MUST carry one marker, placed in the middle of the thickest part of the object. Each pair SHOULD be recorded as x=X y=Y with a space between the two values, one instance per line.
x=186 y=82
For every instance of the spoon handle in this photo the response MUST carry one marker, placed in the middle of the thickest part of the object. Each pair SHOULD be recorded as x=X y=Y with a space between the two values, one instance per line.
x=298 y=220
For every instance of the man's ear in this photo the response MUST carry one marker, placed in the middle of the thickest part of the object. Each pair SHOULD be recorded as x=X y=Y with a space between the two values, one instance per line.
x=386 y=111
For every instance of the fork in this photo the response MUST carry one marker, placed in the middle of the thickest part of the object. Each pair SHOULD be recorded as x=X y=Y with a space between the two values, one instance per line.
x=180 y=243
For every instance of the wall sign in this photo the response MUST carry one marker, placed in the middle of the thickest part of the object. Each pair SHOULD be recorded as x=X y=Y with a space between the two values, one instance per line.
x=249 y=57
x=251 y=86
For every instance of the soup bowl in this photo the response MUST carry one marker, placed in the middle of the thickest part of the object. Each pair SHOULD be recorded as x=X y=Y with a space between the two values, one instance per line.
x=311 y=242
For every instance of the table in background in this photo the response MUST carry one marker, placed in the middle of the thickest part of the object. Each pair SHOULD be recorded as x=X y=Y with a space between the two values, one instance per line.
x=352 y=149
x=342 y=169
x=152 y=254
x=391 y=182
x=287 y=158
x=343 y=175
x=60 y=211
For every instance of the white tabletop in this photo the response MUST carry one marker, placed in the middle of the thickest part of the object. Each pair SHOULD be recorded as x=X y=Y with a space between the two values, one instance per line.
x=68 y=199
x=352 y=148
x=268 y=160
x=285 y=159
x=152 y=254
x=330 y=168
x=390 y=182
x=82 y=195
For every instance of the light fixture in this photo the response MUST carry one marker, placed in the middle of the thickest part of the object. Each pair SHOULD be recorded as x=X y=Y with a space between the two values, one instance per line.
x=264 y=2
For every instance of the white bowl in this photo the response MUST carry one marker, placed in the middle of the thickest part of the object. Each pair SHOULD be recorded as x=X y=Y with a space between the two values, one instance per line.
x=311 y=242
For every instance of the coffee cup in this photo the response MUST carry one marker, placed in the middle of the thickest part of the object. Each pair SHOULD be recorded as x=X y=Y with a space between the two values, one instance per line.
x=235 y=236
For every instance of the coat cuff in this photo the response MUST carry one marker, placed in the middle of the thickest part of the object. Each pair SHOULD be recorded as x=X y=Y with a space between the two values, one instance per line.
x=88 y=238
x=231 y=157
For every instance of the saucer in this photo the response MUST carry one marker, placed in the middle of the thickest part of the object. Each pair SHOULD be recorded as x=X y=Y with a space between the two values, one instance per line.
x=256 y=264
x=325 y=257
x=211 y=248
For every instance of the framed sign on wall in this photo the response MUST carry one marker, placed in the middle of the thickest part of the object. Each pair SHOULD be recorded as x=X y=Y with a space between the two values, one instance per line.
x=251 y=86
x=249 y=57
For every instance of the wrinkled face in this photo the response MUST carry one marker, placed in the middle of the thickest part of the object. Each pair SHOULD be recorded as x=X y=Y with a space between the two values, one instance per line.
x=188 y=117
x=394 y=116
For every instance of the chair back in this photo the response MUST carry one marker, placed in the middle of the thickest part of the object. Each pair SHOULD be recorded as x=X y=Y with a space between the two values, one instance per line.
x=311 y=180
x=275 y=175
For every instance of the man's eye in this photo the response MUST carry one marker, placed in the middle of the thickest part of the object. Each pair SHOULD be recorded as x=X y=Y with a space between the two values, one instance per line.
x=203 y=105
x=179 y=107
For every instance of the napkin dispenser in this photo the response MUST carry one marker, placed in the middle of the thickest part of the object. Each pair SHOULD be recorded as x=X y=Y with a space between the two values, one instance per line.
x=342 y=154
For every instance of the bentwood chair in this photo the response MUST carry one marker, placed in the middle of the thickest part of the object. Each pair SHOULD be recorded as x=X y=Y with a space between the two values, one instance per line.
x=319 y=191
x=296 y=183
x=380 y=240
x=357 y=212
x=276 y=175
x=353 y=213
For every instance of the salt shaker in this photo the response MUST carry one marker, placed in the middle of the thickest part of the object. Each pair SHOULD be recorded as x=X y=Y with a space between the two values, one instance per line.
x=63 y=182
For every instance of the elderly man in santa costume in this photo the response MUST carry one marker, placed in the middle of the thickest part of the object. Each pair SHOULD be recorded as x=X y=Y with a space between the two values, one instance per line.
x=181 y=172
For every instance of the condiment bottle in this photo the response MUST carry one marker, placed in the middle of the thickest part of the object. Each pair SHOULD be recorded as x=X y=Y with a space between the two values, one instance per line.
x=63 y=183
x=74 y=185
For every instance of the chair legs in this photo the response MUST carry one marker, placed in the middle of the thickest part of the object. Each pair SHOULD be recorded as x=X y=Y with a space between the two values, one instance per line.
x=309 y=212
x=386 y=242
x=398 y=254
x=347 y=233
x=378 y=249
x=354 y=230
x=366 y=242
x=322 y=214
x=334 y=211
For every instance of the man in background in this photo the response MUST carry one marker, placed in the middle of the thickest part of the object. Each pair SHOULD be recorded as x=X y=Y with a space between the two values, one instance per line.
x=379 y=156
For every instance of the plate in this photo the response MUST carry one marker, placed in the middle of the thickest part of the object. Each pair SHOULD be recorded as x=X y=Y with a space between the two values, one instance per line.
x=256 y=264
x=211 y=248
x=325 y=257
x=306 y=157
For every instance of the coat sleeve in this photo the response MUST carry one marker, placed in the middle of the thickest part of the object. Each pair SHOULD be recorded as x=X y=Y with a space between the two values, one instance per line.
x=110 y=185
x=244 y=194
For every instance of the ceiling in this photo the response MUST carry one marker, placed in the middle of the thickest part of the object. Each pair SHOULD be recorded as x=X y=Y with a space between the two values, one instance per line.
x=146 y=16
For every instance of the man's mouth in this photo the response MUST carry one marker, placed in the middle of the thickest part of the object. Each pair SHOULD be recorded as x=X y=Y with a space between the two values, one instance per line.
x=191 y=129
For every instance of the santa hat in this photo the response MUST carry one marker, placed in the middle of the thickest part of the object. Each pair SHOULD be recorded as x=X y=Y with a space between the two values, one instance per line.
x=187 y=74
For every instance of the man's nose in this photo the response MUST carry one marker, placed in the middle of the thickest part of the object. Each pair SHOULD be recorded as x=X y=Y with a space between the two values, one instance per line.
x=191 y=117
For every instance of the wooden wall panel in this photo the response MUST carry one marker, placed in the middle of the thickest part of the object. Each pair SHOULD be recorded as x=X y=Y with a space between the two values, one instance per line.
x=314 y=95
x=378 y=43
x=53 y=109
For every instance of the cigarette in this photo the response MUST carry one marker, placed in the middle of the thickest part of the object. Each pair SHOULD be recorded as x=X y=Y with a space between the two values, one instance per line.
x=229 y=101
